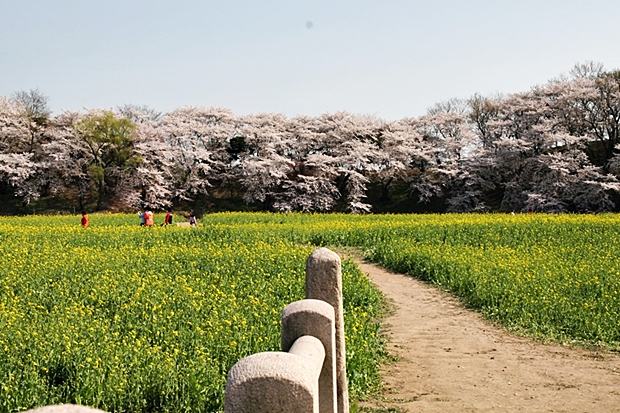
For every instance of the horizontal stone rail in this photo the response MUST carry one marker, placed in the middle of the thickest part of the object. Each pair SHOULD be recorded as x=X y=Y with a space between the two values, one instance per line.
x=299 y=379
x=309 y=374
x=277 y=381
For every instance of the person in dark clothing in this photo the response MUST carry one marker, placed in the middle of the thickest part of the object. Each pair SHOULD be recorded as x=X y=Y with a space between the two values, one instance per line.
x=168 y=219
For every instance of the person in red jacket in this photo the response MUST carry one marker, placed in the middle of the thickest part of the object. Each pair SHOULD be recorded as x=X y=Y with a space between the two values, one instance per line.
x=168 y=219
x=84 y=220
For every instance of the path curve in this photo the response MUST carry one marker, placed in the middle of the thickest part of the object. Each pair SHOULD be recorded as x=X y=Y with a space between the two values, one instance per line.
x=453 y=360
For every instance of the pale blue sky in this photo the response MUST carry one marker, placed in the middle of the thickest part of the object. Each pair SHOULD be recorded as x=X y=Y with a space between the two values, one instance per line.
x=388 y=58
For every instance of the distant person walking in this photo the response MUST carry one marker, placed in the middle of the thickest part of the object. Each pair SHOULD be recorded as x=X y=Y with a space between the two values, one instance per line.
x=148 y=218
x=84 y=220
x=168 y=219
x=192 y=219
x=141 y=216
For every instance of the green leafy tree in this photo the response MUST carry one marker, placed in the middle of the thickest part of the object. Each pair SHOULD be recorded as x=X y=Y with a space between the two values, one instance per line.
x=109 y=145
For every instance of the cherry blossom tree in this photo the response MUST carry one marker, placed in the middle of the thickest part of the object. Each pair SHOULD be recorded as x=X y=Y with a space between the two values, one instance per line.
x=351 y=146
x=18 y=168
x=68 y=163
x=152 y=183
x=197 y=140
x=36 y=114
x=448 y=144
x=538 y=150
x=267 y=167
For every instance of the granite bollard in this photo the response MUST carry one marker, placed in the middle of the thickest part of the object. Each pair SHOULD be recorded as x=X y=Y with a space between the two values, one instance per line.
x=314 y=318
x=324 y=282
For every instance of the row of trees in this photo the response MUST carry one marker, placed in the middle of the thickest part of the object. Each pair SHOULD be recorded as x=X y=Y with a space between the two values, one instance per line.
x=554 y=148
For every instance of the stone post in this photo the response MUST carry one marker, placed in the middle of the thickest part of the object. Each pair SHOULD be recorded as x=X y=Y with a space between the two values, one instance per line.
x=314 y=318
x=324 y=282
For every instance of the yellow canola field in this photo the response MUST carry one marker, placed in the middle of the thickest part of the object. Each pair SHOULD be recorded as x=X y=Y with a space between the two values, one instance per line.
x=125 y=318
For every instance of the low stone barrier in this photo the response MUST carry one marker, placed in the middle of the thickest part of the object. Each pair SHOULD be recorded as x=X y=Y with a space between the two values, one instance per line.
x=309 y=374
x=277 y=381
x=287 y=381
x=299 y=379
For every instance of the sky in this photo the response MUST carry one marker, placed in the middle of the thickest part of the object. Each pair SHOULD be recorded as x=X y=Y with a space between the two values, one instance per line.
x=385 y=58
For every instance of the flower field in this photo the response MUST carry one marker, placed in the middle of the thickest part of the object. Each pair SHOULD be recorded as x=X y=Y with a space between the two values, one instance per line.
x=550 y=276
x=125 y=318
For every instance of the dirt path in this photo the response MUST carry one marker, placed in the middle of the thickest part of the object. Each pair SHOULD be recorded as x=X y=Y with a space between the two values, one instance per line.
x=452 y=360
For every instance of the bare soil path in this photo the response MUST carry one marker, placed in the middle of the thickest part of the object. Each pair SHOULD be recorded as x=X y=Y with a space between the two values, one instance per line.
x=450 y=359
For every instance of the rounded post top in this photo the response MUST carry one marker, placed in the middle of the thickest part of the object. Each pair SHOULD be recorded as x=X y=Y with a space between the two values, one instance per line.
x=269 y=365
x=324 y=254
x=309 y=305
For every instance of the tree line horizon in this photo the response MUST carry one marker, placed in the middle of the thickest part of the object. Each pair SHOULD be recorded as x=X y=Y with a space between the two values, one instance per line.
x=554 y=148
